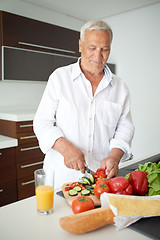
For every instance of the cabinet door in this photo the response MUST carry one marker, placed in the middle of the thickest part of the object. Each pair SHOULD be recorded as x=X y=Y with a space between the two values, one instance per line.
x=8 y=192
x=20 y=31
x=7 y=164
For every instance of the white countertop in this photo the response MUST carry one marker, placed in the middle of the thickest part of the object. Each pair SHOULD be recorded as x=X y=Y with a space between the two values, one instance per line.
x=7 y=142
x=20 y=221
x=17 y=114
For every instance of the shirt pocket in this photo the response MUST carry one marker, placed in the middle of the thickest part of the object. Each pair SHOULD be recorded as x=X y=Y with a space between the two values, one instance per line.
x=111 y=113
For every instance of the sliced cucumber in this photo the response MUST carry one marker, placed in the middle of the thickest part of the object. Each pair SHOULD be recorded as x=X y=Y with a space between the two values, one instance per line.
x=91 y=178
x=72 y=192
x=89 y=187
x=87 y=180
x=92 y=192
x=77 y=188
x=85 y=192
x=82 y=183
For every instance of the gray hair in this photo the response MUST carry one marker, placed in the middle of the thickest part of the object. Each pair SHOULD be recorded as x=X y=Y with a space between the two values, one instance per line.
x=94 y=25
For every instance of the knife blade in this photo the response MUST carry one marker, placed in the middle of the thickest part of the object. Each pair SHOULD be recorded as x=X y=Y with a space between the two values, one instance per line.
x=88 y=170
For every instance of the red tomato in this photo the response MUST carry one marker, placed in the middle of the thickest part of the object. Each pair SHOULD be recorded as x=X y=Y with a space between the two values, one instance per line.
x=120 y=185
x=101 y=188
x=102 y=180
x=82 y=204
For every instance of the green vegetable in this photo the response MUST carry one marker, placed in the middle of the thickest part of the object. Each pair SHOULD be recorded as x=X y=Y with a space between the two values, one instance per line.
x=72 y=192
x=85 y=192
x=153 y=175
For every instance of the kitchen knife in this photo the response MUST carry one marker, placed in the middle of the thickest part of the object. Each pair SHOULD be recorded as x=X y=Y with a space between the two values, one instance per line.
x=88 y=170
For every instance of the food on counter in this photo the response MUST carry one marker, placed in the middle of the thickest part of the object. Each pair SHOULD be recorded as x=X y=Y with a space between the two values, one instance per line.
x=120 y=185
x=139 y=182
x=143 y=181
x=87 y=221
x=81 y=204
x=101 y=188
x=100 y=173
x=153 y=176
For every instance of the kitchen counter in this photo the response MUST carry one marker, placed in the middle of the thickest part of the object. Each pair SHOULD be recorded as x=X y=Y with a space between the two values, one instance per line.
x=18 y=114
x=20 y=221
x=7 y=142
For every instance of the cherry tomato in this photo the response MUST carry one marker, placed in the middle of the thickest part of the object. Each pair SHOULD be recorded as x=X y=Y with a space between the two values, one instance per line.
x=101 y=188
x=120 y=185
x=82 y=204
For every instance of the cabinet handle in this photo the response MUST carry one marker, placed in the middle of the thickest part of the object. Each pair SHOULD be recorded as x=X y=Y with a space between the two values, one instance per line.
x=29 y=182
x=29 y=148
x=0 y=153
x=26 y=125
x=27 y=137
x=45 y=47
x=1 y=190
x=31 y=164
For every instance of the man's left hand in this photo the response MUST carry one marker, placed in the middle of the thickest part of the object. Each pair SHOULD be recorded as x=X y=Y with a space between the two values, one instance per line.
x=111 y=162
x=111 y=166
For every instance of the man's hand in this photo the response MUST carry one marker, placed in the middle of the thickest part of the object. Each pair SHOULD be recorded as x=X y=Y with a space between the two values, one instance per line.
x=73 y=156
x=111 y=162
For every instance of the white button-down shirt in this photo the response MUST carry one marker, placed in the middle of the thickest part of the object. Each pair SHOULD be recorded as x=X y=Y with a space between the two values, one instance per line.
x=95 y=124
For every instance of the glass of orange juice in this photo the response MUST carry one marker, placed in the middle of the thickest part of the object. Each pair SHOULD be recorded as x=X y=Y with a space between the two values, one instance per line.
x=44 y=188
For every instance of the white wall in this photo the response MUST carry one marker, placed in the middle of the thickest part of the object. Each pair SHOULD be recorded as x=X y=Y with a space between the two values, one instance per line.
x=136 y=52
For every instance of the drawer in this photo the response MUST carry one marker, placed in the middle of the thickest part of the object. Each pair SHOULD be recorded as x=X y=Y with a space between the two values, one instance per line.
x=8 y=193
x=25 y=126
x=27 y=168
x=11 y=128
x=8 y=164
x=26 y=187
x=29 y=151
x=26 y=137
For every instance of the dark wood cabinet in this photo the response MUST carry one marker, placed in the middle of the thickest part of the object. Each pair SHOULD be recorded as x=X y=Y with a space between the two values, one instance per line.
x=28 y=156
x=30 y=46
x=19 y=31
x=8 y=185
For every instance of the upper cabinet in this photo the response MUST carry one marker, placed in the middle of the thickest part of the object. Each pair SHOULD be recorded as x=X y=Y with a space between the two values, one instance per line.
x=29 y=46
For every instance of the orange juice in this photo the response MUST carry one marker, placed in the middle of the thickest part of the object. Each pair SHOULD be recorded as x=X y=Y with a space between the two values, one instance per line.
x=44 y=195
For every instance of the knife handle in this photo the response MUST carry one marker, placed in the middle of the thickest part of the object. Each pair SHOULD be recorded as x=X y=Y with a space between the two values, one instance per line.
x=87 y=221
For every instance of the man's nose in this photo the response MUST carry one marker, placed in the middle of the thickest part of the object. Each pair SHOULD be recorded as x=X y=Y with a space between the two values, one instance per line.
x=98 y=54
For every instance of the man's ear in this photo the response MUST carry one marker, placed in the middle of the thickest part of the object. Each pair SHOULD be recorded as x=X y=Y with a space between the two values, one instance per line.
x=80 y=45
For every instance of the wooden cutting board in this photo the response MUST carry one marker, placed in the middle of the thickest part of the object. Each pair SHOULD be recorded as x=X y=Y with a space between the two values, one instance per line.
x=71 y=198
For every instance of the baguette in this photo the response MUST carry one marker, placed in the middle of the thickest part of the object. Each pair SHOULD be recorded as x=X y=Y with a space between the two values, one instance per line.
x=87 y=221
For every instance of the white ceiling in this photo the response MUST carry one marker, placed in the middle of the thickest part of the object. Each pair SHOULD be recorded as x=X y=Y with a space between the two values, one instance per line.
x=91 y=9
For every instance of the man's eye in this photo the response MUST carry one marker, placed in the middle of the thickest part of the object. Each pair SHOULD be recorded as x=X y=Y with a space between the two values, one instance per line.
x=92 y=48
x=105 y=49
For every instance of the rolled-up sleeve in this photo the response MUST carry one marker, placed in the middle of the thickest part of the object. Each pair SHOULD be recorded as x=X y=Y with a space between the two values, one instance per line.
x=125 y=130
x=44 y=123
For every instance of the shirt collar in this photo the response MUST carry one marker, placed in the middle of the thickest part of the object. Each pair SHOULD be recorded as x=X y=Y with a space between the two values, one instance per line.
x=77 y=71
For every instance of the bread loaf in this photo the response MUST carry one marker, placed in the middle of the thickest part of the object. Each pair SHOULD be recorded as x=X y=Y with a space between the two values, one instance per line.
x=87 y=221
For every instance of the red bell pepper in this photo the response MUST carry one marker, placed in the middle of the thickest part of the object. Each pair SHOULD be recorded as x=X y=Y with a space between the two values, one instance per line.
x=139 y=182
x=120 y=185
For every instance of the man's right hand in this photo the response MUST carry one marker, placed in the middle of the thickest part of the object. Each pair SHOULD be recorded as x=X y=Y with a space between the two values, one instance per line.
x=73 y=156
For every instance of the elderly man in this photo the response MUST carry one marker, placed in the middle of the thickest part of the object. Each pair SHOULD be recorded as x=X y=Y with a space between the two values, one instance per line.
x=84 y=116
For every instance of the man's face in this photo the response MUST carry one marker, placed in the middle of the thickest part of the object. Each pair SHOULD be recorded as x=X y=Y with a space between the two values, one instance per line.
x=95 y=50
